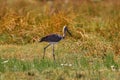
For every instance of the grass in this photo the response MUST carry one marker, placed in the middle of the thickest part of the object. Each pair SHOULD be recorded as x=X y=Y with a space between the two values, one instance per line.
x=25 y=62
x=92 y=53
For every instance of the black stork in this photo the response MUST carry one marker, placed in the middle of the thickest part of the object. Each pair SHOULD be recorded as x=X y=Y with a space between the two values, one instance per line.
x=54 y=38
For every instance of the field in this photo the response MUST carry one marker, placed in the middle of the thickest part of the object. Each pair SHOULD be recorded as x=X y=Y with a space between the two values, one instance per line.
x=92 y=53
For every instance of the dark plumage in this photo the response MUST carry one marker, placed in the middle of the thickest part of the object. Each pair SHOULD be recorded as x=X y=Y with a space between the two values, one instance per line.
x=53 y=38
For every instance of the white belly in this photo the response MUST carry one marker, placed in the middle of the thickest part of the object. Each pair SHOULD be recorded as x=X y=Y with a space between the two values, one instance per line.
x=52 y=42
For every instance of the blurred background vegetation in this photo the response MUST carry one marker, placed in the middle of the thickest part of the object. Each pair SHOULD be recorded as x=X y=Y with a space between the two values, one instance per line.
x=25 y=21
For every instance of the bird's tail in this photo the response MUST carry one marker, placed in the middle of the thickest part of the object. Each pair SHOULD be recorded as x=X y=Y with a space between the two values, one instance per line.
x=41 y=40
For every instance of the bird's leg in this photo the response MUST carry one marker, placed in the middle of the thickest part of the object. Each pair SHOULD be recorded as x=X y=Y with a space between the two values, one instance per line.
x=53 y=53
x=45 y=50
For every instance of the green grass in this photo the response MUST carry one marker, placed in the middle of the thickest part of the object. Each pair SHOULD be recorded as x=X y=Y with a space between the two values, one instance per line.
x=25 y=62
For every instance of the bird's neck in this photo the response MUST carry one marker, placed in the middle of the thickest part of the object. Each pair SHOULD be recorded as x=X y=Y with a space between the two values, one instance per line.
x=64 y=34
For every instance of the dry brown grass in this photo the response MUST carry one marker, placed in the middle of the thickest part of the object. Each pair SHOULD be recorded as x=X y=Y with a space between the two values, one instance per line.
x=26 y=21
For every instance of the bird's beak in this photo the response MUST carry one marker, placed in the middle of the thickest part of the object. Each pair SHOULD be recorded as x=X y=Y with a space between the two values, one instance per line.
x=69 y=32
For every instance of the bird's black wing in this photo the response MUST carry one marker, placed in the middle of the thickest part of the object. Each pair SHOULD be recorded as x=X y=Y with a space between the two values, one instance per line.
x=51 y=38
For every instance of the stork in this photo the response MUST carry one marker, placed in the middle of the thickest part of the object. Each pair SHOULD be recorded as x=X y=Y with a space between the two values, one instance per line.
x=53 y=39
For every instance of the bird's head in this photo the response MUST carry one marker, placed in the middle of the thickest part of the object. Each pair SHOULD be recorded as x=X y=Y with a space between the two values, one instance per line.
x=65 y=29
